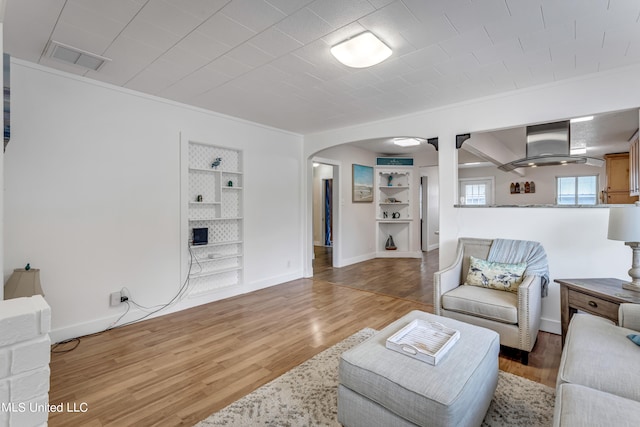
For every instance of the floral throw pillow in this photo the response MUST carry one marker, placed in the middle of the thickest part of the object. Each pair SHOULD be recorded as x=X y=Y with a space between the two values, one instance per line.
x=495 y=275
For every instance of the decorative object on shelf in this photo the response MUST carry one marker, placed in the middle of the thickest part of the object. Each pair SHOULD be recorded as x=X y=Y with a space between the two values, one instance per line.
x=624 y=225
x=199 y=198
x=216 y=162
x=385 y=214
x=389 y=179
x=200 y=236
x=23 y=282
x=362 y=184
x=395 y=215
x=390 y=245
x=392 y=200
x=230 y=184
x=522 y=187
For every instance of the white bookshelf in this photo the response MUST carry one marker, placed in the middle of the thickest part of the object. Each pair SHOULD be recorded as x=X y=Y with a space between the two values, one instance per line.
x=213 y=199
x=394 y=207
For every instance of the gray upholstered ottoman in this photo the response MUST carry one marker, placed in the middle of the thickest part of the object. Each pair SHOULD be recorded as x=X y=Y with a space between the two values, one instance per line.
x=381 y=387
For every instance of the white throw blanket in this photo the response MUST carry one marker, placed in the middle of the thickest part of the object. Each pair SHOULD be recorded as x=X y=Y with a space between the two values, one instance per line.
x=515 y=251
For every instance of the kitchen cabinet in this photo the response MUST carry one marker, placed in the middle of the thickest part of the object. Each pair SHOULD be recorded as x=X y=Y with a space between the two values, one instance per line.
x=634 y=165
x=618 y=179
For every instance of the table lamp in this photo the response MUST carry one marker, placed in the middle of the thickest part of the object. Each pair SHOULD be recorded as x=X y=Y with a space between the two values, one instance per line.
x=624 y=225
x=24 y=282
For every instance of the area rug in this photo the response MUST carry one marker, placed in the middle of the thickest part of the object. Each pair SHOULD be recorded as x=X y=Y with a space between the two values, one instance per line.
x=307 y=396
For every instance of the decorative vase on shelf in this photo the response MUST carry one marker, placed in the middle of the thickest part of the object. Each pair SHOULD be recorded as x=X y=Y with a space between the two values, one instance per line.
x=390 y=245
x=389 y=180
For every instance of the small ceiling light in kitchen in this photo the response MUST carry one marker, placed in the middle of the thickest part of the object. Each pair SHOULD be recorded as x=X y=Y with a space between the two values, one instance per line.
x=582 y=119
x=361 y=51
x=406 y=142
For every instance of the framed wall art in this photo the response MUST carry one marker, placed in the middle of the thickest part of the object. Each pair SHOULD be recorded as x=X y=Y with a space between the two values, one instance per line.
x=362 y=184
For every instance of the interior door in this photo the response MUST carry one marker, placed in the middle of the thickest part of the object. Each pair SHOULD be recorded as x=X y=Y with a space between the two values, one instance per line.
x=328 y=212
x=424 y=218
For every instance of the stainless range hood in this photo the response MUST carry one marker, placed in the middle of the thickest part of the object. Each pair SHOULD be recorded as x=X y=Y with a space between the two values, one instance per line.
x=549 y=145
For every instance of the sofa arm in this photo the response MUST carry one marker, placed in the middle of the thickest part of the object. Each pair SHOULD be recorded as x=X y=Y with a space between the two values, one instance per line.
x=446 y=280
x=629 y=316
x=529 y=310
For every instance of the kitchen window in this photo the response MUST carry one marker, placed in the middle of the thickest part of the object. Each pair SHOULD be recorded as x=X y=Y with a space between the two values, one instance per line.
x=476 y=191
x=577 y=190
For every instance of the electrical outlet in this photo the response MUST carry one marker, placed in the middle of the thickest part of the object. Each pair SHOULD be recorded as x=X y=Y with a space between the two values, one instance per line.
x=114 y=299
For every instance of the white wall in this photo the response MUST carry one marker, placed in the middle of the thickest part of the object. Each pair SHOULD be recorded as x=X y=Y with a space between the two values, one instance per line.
x=427 y=161
x=355 y=238
x=433 y=206
x=543 y=177
x=92 y=195
x=574 y=238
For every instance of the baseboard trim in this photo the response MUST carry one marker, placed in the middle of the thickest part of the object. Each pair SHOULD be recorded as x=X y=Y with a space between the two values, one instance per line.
x=551 y=326
x=397 y=254
x=355 y=260
x=99 y=325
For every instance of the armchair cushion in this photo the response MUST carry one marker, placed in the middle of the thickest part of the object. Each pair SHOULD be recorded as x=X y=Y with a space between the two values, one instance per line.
x=482 y=302
x=495 y=275
x=629 y=316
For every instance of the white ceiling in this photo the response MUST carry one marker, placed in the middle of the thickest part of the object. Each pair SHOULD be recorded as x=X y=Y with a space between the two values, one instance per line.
x=269 y=61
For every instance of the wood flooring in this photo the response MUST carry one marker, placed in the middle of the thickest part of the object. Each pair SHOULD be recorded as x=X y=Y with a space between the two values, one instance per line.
x=179 y=368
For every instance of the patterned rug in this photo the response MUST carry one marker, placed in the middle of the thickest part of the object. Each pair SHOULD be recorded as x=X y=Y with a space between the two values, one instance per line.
x=306 y=396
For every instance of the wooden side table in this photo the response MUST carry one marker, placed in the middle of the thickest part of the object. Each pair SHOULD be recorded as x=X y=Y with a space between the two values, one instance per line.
x=600 y=297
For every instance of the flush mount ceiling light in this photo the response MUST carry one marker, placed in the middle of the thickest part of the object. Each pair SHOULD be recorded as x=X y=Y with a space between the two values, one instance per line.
x=406 y=142
x=73 y=55
x=361 y=51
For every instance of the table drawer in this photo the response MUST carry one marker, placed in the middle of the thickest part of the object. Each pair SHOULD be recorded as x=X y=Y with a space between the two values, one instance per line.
x=594 y=305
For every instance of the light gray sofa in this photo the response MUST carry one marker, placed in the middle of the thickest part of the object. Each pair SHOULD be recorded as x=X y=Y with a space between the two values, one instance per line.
x=599 y=377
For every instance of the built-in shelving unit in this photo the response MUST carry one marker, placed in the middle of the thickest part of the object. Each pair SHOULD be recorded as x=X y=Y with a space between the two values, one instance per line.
x=212 y=199
x=393 y=210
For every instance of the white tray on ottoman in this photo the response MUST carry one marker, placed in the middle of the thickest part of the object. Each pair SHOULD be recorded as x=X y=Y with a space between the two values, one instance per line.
x=426 y=341
x=380 y=387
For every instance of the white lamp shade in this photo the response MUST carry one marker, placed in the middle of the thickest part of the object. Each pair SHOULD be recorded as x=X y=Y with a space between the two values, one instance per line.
x=363 y=50
x=23 y=283
x=624 y=224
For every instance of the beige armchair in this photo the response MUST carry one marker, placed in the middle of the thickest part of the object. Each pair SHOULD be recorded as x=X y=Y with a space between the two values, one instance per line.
x=515 y=316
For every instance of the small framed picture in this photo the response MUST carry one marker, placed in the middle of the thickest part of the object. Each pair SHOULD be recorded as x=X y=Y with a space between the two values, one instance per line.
x=362 y=184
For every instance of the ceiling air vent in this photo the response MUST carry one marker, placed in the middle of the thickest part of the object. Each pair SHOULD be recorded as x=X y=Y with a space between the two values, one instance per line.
x=72 y=55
